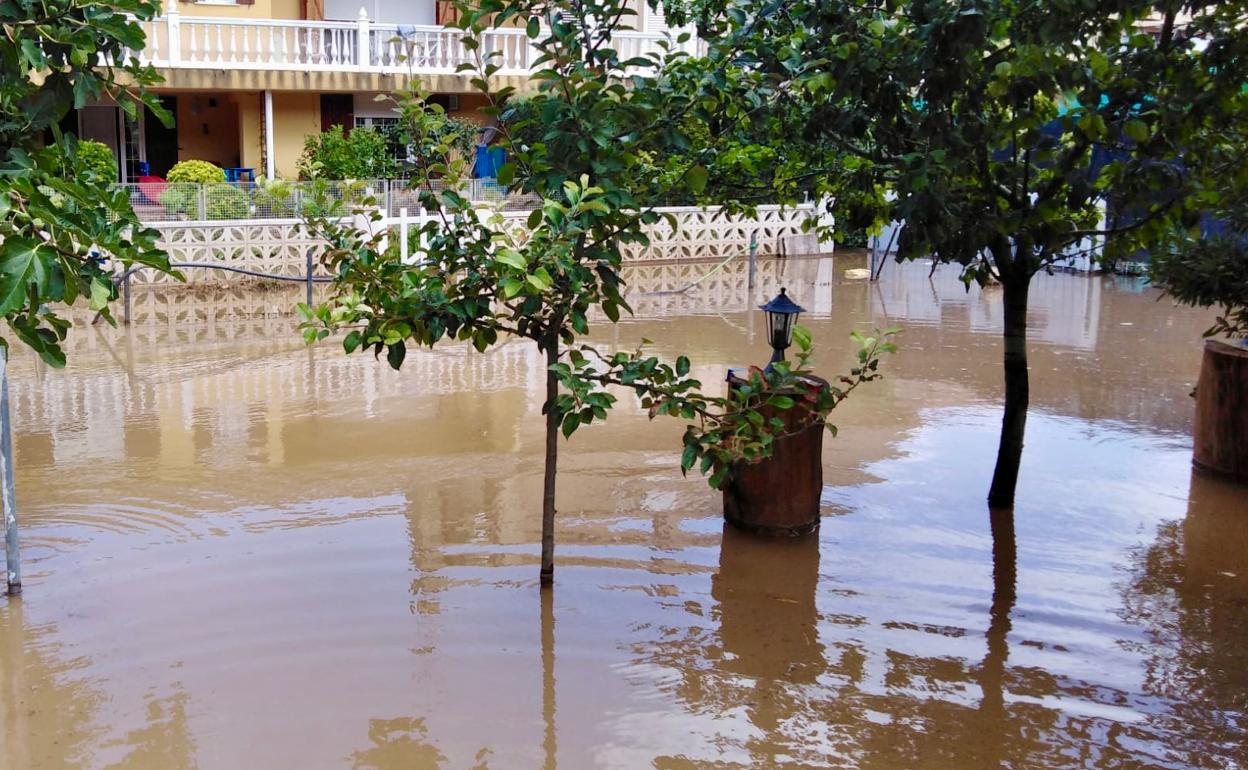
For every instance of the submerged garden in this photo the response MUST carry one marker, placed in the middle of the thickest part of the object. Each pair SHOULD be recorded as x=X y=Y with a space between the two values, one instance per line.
x=481 y=540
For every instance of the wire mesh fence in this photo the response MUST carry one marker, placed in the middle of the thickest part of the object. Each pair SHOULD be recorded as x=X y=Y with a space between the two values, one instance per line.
x=158 y=201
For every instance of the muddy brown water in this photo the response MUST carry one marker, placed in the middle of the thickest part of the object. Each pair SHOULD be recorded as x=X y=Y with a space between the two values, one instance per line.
x=241 y=553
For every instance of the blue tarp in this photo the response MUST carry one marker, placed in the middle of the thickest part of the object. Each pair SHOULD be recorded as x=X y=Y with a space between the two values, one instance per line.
x=489 y=161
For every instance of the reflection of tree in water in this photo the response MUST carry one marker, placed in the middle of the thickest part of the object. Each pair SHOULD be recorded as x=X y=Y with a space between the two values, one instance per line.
x=815 y=695
x=48 y=709
x=1189 y=590
x=165 y=741
x=404 y=743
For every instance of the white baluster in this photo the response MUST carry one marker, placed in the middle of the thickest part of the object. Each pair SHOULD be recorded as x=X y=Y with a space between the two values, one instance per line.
x=173 y=28
x=194 y=39
x=363 y=57
x=245 y=52
x=220 y=44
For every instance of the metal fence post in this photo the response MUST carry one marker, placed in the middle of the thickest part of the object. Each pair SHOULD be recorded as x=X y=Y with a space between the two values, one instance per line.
x=202 y=197
x=8 y=497
x=309 y=276
x=125 y=293
x=753 y=258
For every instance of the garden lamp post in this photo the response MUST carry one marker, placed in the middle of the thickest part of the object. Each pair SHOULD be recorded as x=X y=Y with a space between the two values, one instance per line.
x=782 y=314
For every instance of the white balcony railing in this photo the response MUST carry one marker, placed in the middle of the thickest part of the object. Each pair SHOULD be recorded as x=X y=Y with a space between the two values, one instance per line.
x=199 y=42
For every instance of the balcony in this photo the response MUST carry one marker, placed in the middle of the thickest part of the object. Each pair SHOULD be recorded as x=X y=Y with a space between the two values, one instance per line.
x=199 y=42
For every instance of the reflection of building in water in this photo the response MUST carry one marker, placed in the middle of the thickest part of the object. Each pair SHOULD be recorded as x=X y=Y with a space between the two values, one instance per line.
x=1063 y=309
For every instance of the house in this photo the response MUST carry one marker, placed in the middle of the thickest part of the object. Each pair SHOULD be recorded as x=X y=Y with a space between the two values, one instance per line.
x=248 y=80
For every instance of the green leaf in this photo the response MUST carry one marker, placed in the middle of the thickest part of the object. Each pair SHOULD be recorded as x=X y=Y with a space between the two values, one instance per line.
x=1136 y=130
x=511 y=258
x=540 y=279
x=17 y=268
x=101 y=293
x=352 y=341
x=781 y=402
x=396 y=353
x=682 y=366
x=698 y=178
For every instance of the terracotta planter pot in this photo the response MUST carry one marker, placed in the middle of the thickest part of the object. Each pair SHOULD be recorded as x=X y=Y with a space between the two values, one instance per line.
x=780 y=495
x=1220 y=434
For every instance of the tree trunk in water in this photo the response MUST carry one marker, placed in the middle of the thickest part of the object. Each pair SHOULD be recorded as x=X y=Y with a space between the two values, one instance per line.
x=551 y=347
x=1013 y=424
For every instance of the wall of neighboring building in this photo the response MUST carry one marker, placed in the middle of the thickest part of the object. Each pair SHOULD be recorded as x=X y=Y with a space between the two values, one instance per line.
x=259 y=9
x=387 y=11
x=295 y=116
x=208 y=128
x=251 y=131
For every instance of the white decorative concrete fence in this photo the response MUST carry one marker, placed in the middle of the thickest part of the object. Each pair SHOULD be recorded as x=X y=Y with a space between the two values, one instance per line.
x=281 y=246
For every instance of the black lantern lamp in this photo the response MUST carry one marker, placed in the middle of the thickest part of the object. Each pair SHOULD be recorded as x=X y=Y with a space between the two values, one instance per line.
x=782 y=314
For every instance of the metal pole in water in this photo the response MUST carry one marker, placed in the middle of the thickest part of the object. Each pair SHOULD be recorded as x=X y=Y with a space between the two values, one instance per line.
x=753 y=257
x=125 y=290
x=8 y=497
x=309 y=276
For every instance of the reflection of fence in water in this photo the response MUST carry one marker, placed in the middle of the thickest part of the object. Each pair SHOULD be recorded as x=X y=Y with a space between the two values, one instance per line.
x=261 y=359
x=83 y=410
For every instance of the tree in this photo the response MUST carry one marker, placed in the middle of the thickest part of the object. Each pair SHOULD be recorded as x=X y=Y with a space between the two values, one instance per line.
x=57 y=220
x=475 y=280
x=1210 y=266
x=995 y=130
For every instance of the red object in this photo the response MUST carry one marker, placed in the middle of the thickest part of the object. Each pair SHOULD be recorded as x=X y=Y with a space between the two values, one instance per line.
x=152 y=187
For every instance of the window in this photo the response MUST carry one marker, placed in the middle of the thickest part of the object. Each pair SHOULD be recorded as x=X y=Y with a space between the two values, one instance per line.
x=389 y=127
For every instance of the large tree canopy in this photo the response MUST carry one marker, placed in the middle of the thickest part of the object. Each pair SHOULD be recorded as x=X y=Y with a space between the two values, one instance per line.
x=995 y=130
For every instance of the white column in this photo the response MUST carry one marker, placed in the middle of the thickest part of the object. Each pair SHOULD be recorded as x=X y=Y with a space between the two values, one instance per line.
x=363 y=57
x=173 y=27
x=269 y=161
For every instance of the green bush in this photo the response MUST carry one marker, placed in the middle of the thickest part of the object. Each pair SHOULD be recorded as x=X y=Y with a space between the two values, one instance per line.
x=364 y=154
x=195 y=171
x=221 y=200
x=225 y=201
x=98 y=160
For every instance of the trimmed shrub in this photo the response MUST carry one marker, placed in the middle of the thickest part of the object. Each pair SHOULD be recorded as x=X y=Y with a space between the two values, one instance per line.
x=195 y=171
x=97 y=161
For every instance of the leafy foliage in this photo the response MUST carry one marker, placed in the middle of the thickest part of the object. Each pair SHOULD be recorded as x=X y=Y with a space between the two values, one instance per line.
x=995 y=130
x=98 y=160
x=364 y=153
x=195 y=171
x=221 y=200
x=55 y=217
x=1210 y=272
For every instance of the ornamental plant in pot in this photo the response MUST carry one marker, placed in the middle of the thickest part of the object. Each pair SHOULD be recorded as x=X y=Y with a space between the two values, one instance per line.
x=1205 y=272
x=773 y=483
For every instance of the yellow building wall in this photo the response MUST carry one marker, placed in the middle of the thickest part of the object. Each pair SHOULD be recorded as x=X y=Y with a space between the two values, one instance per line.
x=207 y=127
x=295 y=116
x=251 y=131
x=262 y=9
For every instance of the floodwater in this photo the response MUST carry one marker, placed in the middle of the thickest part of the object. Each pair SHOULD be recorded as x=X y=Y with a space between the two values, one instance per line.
x=241 y=553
